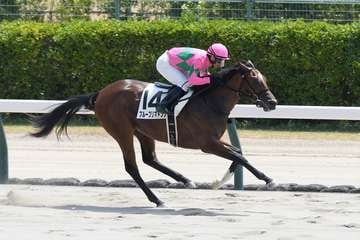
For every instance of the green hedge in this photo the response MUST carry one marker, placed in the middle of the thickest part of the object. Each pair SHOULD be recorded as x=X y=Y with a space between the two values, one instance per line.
x=305 y=63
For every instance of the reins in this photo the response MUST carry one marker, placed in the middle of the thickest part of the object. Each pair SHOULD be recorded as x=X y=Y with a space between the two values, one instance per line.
x=253 y=96
x=196 y=94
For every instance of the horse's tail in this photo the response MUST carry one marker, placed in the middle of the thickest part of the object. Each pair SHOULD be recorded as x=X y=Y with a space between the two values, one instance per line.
x=61 y=115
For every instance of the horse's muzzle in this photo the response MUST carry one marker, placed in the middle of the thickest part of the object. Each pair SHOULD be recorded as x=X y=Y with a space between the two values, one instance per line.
x=266 y=105
x=272 y=104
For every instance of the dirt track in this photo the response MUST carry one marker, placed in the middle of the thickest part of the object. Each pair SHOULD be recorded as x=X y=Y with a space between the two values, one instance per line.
x=74 y=213
x=86 y=157
x=52 y=212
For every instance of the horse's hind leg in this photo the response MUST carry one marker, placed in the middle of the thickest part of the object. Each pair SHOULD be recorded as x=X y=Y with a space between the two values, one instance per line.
x=112 y=111
x=149 y=158
x=127 y=146
x=132 y=169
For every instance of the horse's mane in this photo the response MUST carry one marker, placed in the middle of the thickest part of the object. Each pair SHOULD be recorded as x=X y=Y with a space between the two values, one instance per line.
x=223 y=75
x=228 y=72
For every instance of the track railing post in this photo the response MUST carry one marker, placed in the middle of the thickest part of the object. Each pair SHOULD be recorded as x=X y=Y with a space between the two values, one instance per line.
x=234 y=139
x=4 y=171
x=117 y=9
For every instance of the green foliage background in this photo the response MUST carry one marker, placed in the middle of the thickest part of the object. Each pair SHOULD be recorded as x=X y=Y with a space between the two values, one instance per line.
x=314 y=63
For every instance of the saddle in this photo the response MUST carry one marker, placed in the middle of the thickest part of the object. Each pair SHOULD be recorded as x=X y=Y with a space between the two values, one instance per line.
x=151 y=97
x=163 y=85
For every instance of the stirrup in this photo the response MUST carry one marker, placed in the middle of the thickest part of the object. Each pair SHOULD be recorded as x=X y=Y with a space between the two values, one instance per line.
x=162 y=109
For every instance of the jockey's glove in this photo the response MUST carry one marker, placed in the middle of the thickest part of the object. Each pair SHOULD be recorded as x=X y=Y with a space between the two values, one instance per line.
x=214 y=79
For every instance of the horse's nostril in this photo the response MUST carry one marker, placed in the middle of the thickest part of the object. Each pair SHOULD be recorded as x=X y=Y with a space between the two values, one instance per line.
x=273 y=101
x=272 y=104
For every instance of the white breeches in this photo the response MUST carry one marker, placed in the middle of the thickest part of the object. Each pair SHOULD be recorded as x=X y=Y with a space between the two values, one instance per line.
x=170 y=73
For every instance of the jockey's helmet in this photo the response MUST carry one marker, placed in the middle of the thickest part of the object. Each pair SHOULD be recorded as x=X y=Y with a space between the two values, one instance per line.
x=219 y=51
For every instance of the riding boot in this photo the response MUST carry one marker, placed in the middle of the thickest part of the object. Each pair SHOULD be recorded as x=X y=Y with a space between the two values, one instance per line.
x=169 y=101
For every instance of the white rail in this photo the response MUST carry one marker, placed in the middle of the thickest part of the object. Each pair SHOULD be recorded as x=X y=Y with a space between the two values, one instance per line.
x=239 y=111
x=298 y=112
x=32 y=106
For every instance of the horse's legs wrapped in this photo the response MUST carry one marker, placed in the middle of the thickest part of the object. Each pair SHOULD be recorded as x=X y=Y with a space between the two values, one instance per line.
x=226 y=177
x=218 y=148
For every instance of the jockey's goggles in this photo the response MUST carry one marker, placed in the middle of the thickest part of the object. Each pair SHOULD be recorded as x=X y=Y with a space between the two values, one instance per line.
x=221 y=61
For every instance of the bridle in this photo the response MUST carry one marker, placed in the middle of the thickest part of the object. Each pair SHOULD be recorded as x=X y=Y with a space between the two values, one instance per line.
x=255 y=96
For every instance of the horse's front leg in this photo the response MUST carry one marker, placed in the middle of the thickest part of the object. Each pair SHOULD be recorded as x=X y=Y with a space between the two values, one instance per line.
x=235 y=149
x=227 y=151
x=230 y=172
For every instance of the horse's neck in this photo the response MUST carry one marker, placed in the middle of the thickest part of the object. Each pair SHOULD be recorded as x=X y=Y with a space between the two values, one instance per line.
x=222 y=101
x=226 y=96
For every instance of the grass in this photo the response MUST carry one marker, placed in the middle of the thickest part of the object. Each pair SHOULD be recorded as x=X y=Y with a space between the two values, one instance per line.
x=305 y=135
x=315 y=134
x=79 y=130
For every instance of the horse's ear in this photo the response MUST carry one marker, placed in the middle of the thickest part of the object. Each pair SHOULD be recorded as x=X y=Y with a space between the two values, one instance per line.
x=245 y=68
x=250 y=63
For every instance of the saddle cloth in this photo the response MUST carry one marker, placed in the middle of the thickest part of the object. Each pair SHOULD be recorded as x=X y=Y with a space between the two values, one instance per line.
x=152 y=95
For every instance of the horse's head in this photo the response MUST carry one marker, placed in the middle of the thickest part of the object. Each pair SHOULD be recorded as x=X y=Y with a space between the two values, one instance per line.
x=244 y=78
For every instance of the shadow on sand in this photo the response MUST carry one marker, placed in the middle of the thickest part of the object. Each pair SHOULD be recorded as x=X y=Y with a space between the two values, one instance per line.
x=146 y=210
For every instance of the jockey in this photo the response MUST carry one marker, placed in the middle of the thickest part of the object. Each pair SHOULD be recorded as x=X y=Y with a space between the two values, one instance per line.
x=186 y=67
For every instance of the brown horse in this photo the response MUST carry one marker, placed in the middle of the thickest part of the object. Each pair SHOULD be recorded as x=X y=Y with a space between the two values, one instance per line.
x=201 y=123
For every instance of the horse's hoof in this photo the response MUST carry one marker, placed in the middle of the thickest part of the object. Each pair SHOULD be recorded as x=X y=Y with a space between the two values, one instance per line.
x=270 y=183
x=216 y=185
x=190 y=185
x=160 y=204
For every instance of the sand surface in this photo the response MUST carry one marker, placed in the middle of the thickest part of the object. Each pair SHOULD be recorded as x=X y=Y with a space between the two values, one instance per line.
x=51 y=213
x=44 y=212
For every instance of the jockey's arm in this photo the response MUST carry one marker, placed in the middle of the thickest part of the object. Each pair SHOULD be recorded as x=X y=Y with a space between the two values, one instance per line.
x=199 y=77
x=198 y=80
